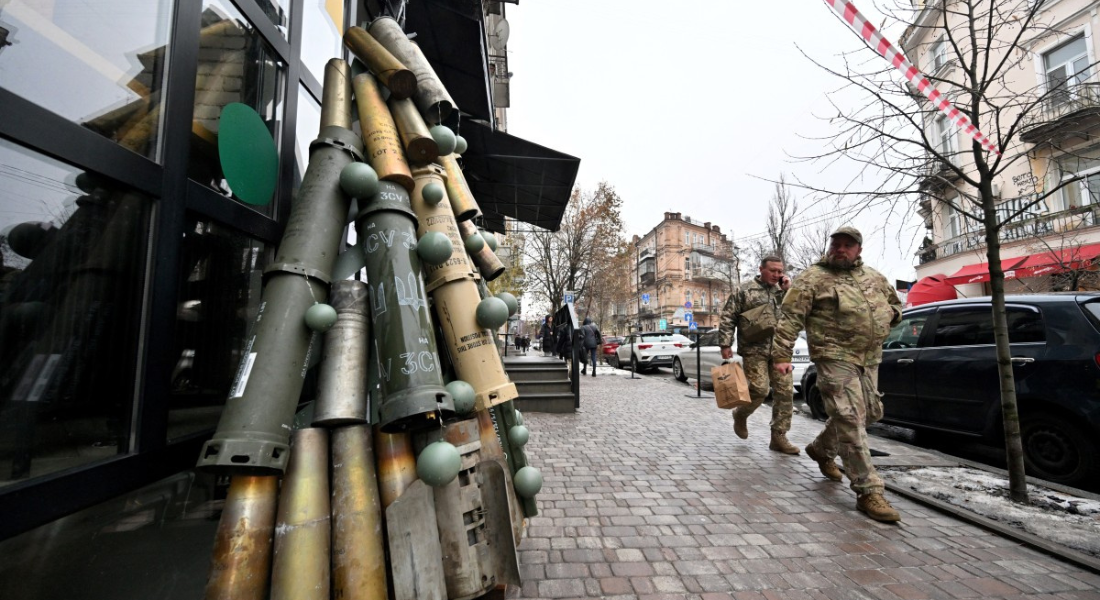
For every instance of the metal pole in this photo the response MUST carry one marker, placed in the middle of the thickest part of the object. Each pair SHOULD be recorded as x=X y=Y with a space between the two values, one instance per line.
x=698 y=366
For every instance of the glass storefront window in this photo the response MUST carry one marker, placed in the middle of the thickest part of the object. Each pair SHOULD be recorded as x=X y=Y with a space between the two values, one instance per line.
x=307 y=127
x=322 y=35
x=100 y=64
x=235 y=65
x=279 y=13
x=73 y=248
x=220 y=285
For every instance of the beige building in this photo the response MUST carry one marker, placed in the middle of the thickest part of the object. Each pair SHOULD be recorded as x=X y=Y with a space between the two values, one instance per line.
x=684 y=272
x=1052 y=244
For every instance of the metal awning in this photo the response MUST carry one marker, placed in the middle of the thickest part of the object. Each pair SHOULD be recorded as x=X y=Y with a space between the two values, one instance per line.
x=512 y=177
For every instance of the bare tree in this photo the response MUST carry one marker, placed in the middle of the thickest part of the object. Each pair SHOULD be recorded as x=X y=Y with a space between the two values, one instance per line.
x=781 y=215
x=979 y=53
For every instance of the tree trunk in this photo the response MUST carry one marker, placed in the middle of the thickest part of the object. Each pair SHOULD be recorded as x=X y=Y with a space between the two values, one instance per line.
x=1014 y=451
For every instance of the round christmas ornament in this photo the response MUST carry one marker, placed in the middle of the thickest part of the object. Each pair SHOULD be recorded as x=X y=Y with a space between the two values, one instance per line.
x=527 y=481
x=320 y=317
x=460 y=145
x=439 y=463
x=490 y=240
x=434 y=248
x=510 y=301
x=474 y=243
x=518 y=436
x=463 y=395
x=359 y=180
x=433 y=193
x=492 y=312
x=444 y=138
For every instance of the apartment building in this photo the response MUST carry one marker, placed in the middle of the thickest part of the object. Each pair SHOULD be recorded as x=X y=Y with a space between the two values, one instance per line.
x=1049 y=245
x=683 y=273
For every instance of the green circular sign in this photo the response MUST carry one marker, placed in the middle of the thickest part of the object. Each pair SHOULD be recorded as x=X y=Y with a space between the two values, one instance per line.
x=248 y=156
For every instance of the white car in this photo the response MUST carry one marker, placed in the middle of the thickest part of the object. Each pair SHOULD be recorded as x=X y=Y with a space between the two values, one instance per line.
x=648 y=350
x=692 y=362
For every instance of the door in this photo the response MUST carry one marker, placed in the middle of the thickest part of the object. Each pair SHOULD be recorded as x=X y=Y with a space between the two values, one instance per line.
x=897 y=373
x=710 y=356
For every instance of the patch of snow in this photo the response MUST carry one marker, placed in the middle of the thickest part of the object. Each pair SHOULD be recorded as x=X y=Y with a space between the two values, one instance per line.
x=1053 y=516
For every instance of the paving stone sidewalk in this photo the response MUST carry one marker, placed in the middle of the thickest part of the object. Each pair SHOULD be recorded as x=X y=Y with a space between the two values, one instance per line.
x=649 y=495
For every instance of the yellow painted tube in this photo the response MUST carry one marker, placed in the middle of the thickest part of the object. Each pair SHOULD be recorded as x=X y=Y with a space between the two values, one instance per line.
x=420 y=147
x=381 y=140
x=458 y=190
x=486 y=261
x=390 y=71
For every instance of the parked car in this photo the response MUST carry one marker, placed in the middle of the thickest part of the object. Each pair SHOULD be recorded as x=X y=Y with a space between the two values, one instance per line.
x=648 y=350
x=939 y=373
x=610 y=343
x=685 y=365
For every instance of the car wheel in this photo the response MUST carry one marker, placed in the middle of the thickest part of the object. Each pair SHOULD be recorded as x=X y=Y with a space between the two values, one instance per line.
x=1056 y=450
x=634 y=364
x=678 y=370
x=613 y=360
x=816 y=403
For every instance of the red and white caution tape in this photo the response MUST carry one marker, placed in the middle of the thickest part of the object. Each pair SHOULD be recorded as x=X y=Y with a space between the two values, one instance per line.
x=852 y=16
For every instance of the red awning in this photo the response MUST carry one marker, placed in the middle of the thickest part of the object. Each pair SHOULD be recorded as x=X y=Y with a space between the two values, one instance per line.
x=1057 y=261
x=979 y=273
x=930 y=289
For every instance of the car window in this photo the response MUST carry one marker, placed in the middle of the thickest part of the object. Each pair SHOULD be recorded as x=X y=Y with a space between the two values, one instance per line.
x=906 y=333
x=657 y=337
x=709 y=339
x=975 y=327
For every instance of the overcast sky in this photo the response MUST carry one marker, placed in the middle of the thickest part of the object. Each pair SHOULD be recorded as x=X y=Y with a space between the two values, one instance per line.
x=679 y=105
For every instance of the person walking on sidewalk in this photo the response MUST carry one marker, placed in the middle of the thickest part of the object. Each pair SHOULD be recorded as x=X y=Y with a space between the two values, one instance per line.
x=847 y=310
x=753 y=312
x=592 y=338
x=547 y=335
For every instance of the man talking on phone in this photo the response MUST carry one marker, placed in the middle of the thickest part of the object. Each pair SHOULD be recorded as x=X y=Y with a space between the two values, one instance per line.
x=753 y=311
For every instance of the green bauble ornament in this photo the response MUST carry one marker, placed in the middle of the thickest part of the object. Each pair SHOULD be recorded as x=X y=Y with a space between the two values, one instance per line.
x=510 y=300
x=433 y=193
x=519 y=418
x=320 y=317
x=444 y=138
x=460 y=145
x=518 y=436
x=359 y=180
x=492 y=312
x=438 y=464
x=490 y=240
x=474 y=243
x=463 y=395
x=434 y=248
x=527 y=481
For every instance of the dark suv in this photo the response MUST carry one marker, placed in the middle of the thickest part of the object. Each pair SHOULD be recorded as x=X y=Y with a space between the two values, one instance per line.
x=939 y=372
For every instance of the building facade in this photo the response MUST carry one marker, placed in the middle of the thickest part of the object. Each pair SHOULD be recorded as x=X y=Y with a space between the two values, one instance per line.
x=1046 y=245
x=683 y=273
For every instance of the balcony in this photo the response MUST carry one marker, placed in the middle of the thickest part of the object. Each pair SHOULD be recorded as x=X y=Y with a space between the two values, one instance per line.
x=937 y=173
x=645 y=253
x=1070 y=113
x=647 y=278
x=1028 y=227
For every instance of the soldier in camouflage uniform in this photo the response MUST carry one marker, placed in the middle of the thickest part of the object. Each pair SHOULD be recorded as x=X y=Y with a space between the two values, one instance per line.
x=847 y=310
x=754 y=344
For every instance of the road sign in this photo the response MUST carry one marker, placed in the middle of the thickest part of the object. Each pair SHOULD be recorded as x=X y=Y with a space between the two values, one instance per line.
x=645 y=299
x=662 y=324
x=687 y=317
x=569 y=296
x=692 y=326
x=687 y=304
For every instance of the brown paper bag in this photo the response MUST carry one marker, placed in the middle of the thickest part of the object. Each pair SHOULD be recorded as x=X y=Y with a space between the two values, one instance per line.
x=731 y=389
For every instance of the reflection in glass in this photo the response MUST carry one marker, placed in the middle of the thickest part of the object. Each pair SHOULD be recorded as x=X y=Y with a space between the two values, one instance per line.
x=278 y=11
x=322 y=35
x=305 y=131
x=71 y=283
x=235 y=65
x=100 y=64
x=220 y=285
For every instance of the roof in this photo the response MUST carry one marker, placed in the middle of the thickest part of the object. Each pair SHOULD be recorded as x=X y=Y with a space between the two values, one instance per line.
x=1046 y=298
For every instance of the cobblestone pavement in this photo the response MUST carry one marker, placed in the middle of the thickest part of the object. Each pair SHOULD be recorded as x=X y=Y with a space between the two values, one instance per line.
x=649 y=495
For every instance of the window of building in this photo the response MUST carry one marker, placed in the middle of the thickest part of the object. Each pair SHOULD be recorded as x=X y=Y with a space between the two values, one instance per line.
x=946 y=137
x=306 y=129
x=99 y=64
x=687 y=295
x=72 y=278
x=953 y=226
x=235 y=65
x=1067 y=67
x=938 y=54
x=322 y=35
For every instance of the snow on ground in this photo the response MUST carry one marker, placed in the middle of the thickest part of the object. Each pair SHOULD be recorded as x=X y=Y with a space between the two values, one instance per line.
x=1060 y=518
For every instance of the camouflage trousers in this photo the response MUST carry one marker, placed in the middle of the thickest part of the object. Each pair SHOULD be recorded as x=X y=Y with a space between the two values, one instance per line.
x=852 y=401
x=762 y=377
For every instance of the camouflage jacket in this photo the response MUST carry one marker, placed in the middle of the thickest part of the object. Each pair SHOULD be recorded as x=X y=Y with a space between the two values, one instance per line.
x=747 y=298
x=846 y=313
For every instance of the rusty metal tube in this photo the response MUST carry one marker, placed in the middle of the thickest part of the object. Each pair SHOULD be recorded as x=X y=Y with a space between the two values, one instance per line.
x=396 y=464
x=390 y=71
x=380 y=136
x=358 y=550
x=336 y=100
x=486 y=261
x=420 y=147
x=240 y=568
x=301 y=568
x=431 y=97
x=458 y=190
x=342 y=393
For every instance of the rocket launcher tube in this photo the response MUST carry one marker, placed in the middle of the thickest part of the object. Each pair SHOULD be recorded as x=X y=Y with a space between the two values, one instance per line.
x=485 y=259
x=358 y=551
x=254 y=429
x=458 y=190
x=471 y=347
x=411 y=380
x=301 y=569
x=420 y=147
x=432 y=99
x=391 y=72
x=240 y=567
x=380 y=136
x=342 y=393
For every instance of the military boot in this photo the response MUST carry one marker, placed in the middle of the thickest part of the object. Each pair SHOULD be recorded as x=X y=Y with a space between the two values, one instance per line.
x=740 y=424
x=878 y=508
x=827 y=465
x=780 y=443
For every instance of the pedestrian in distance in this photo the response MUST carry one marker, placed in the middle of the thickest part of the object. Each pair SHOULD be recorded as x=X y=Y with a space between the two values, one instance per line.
x=592 y=338
x=847 y=310
x=753 y=311
x=547 y=336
